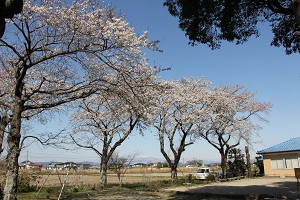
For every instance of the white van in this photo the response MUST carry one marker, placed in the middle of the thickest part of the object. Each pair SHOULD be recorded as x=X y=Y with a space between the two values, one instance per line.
x=202 y=173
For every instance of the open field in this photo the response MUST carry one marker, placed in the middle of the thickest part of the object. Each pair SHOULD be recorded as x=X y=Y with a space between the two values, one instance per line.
x=151 y=184
x=138 y=170
x=52 y=178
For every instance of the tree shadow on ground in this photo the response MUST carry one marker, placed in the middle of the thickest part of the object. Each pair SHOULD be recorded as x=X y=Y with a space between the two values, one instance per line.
x=278 y=190
x=209 y=196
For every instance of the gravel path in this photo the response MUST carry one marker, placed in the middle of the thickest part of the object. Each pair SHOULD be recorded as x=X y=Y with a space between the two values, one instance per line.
x=265 y=185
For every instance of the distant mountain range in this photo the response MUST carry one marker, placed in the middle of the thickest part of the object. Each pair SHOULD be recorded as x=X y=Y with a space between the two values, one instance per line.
x=84 y=162
x=145 y=160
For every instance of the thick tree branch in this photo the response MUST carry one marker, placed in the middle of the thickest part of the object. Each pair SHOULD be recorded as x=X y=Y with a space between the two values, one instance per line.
x=85 y=146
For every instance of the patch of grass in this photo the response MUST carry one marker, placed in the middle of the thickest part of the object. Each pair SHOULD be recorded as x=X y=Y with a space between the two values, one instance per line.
x=157 y=185
x=110 y=192
x=75 y=189
x=53 y=193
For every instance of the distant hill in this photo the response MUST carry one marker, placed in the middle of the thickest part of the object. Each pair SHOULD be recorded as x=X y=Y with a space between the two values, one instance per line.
x=82 y=162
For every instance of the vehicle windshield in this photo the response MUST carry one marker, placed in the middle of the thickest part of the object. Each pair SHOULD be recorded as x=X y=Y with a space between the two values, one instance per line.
x=203 y=170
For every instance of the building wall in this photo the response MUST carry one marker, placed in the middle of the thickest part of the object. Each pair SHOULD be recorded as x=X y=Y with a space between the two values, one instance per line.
x=279 y=172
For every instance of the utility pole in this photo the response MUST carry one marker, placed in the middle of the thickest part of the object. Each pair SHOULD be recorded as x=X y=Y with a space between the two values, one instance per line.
x=26 y=160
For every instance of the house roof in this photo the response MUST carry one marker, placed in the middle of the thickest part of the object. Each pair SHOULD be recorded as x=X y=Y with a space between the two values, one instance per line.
x=35 y=165
x=139 y=164
x=24 y=162
x=287 y=146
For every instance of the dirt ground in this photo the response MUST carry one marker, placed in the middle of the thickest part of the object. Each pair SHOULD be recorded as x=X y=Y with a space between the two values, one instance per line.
x=266 y=185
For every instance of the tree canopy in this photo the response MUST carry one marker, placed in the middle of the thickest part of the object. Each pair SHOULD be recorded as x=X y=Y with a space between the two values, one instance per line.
x=212 y=21
x=8 y=8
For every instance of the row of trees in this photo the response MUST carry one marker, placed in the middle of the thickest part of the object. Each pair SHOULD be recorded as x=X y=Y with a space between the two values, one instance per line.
x=179 y=112
x=85 y=56
x=193 y=109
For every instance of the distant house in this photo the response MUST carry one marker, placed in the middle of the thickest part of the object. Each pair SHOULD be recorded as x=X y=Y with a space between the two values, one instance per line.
x=94 y=167
x=84 y=166
x=61 y=166
x=282 y=158
x=139 y=165
x=55 y=165
x=70 y=165
x=25 y=163
x=152 y=165
x=31 y=165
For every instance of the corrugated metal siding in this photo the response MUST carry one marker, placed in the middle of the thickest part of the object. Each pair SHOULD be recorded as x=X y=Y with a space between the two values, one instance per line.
x=290 y=145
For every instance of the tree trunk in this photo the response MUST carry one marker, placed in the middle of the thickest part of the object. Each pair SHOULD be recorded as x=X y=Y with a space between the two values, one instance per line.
x=174 y=174
x=103 y=173
x=3 y=124
x=13 y=152
x=224 y=165
x=119 y=177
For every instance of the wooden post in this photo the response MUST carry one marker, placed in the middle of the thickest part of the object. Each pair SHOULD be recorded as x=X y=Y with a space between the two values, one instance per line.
x=63 y=186
x=42 y=185
x=297 y=175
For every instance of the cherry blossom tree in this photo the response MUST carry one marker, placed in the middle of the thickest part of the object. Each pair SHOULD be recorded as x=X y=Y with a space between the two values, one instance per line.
x=119 y=164
x=178 y=109
x=231 y=115
x=56 y=53
x=105 y=121
x=5 y=118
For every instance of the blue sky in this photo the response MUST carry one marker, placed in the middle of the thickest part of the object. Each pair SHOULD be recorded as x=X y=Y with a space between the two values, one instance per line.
x=266 y=70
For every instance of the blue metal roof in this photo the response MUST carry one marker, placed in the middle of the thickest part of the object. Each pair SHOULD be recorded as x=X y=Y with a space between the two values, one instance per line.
x=290 y=145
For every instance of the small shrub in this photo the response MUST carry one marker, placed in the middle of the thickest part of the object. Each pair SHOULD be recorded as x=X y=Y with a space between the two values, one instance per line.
x=75 y=189
x=93 y=187
x=48 y=190
x=24 y=183
x=159 y=165
x=210 y=177
x=189 y=178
